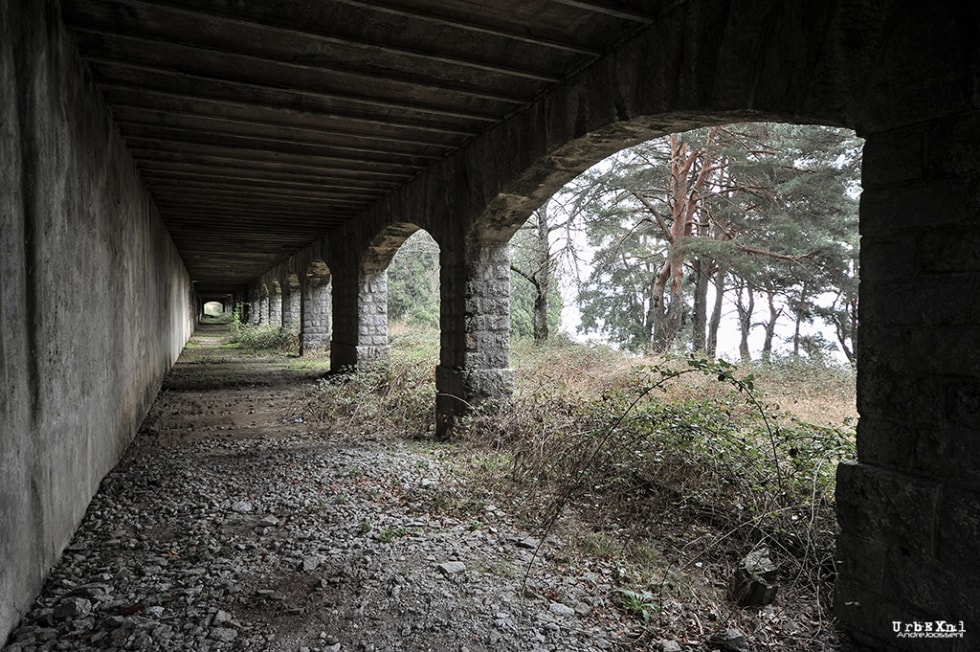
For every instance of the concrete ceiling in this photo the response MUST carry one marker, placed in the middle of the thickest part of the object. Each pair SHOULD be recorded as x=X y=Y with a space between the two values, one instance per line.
x=261 y=125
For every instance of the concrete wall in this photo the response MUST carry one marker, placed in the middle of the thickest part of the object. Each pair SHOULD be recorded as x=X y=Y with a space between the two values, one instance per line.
x=95 y=304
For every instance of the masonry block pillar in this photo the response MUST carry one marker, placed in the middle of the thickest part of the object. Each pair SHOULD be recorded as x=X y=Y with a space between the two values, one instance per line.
x=264 y=313
x=256 y=310
x=909 y=507
x=360 y=317
x=292 y=303
x=275 y=308
x=315 y=309
x=474 y=359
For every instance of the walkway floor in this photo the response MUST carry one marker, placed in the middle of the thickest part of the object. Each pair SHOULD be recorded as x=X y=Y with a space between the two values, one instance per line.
x=233 y=524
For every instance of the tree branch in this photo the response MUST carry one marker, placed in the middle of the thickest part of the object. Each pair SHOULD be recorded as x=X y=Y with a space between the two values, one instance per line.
x=656 y=216
x=530 y=279
x=771 y=254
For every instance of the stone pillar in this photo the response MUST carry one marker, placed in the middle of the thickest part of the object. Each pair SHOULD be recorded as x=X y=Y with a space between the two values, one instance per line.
x=292 y=304
x=909 y=507
x=360 y=332
x=315 y=309
x=275 y=308
x=264 y=310
x=474 y=359
x=242 y=306
x=256 y=311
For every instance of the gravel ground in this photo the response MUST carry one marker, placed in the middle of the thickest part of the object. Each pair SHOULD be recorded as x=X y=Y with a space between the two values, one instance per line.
x=230 y=524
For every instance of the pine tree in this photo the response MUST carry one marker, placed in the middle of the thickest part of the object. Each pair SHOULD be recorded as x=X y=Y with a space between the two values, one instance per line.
x=764 y=208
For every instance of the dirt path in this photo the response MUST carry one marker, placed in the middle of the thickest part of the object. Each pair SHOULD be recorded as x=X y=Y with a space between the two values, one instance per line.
x=232 y=524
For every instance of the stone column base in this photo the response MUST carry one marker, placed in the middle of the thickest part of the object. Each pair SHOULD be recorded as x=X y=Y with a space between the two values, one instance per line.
x=459 y=392
x=906 y=558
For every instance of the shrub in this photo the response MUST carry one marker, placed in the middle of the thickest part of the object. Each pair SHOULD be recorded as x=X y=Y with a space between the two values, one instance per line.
x=675 y=441
x=265 y=338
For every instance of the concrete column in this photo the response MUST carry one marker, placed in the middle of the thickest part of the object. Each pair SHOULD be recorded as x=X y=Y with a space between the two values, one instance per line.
x=360 y=333
x=474 y=359
x=315 y=309
x=909 y=507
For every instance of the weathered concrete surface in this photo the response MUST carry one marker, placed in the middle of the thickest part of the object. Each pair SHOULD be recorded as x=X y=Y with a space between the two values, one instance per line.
x=95 y=303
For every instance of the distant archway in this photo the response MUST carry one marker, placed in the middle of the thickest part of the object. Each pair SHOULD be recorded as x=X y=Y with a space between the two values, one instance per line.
x=214 y=308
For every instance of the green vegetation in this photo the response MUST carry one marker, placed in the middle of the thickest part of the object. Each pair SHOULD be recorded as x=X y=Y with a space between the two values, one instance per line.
x=389 y=534
x=413 y=282
x=222 y=319
x=259 y=339
x=642 y=604
x=395 y=395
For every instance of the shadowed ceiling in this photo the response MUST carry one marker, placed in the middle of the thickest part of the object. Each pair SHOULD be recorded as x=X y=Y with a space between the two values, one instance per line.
x=260 y=126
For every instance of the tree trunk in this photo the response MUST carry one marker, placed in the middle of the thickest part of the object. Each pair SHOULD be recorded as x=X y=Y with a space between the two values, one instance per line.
x=542 y=276
x=656 y=315
x=675 y=311
x=715 y=323
x=702 y=278
x=688 y=175
x=774 y=314
x=745 y=309
x=796 y=335
x=846 y=327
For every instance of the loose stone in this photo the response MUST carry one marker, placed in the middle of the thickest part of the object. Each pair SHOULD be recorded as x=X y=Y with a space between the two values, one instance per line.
x=450 y=568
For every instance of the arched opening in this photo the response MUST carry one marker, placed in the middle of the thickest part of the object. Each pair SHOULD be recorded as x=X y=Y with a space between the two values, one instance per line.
x=413 y=294
x=398 y=299
x=749 y=228
x=737 y=232
x=214 y=308
x=387 y=334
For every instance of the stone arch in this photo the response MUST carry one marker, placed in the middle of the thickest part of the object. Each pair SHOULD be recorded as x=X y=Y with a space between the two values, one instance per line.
x=915 y=464
x=505 y=212
x=383 y=247
x=414 y=268
x=318 y=270
x=361 y=297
